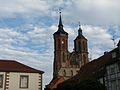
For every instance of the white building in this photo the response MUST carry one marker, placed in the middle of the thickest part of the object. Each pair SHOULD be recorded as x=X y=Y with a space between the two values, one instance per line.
x=17 y=76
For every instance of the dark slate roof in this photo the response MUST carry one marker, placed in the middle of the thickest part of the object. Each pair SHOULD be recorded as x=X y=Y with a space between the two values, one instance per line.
x=80 y=35
x=61 y=31
x=60 y=27
x=95 y=68
x=14 y=66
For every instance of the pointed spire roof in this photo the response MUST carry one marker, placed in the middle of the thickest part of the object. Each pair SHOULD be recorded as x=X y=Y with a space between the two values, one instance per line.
x=79 y=30
x=60 y=27
x=60 y=20
x=80 y=35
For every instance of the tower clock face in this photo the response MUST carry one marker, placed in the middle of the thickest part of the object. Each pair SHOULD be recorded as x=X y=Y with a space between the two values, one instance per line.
x=62 y=42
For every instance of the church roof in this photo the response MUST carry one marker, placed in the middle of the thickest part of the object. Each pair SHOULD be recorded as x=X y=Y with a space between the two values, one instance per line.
x=14 y=66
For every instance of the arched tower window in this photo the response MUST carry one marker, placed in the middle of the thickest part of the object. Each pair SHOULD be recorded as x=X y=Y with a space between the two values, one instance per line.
x=63 y=57
x=71 y=72
x=84 y=46
x=58 y=43
x=84 y=59
x=79 y=46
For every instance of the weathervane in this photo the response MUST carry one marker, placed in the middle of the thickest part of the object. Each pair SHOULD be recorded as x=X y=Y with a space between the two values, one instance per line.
x=113 y=38
x=60 y=9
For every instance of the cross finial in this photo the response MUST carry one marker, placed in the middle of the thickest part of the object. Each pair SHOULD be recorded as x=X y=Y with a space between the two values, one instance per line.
x=60 y=12
x=79 y=30
x=79 y=25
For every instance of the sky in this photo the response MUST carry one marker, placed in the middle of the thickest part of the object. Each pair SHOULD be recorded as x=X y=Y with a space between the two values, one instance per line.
x=27 y=27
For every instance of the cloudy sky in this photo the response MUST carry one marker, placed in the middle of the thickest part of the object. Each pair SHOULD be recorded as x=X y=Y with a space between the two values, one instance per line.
x=27 y=27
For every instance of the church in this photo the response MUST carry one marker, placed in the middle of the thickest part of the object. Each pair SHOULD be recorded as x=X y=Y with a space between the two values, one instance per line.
x=67 y=64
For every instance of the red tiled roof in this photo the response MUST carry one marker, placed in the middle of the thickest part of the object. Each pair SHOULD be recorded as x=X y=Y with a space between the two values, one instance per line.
x=14 y=66
x=55 y=82
x=95 y=68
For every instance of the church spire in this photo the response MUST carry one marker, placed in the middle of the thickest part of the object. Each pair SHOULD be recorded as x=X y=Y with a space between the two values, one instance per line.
x=79 y=30
x=60 y=27
x=60 y=21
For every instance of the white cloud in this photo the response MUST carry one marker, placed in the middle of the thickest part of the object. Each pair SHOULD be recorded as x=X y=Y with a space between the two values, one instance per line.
x=23 y=7
x=12 y=48
x=96 y=12
x=34 y=47
x=99 y=40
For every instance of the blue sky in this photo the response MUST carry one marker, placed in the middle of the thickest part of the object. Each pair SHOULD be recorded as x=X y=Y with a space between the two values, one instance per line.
x=27 y=27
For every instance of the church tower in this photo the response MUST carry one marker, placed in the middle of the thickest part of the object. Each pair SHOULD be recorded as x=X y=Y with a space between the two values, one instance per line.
x=60 y=48
x=67 y=64
x=81 y=48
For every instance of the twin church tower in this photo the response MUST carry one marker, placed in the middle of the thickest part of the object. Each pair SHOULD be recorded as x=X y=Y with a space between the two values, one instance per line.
x=67 y=64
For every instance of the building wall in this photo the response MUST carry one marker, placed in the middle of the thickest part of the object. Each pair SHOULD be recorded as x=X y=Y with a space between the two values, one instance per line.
x=112 y=78
x=3 y=73
x=12 y=81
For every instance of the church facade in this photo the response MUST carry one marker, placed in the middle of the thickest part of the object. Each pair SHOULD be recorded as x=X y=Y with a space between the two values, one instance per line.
x=67 y=64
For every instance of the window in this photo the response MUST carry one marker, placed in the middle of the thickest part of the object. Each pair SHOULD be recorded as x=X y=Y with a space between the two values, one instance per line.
x=24 y=81
x=84 y=59
x=114 y=87
x=63 y=57
x=1 y=81
x=79 y=46
x=71 y=73
x=112 y=70
x=83 y=45
x=119 y=66
x=119 y=83
x=58 y=43
x=64 y=73
x=114 y=55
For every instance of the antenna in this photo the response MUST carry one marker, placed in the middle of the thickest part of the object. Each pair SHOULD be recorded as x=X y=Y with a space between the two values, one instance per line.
x=113 y=38
x=90 y=57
